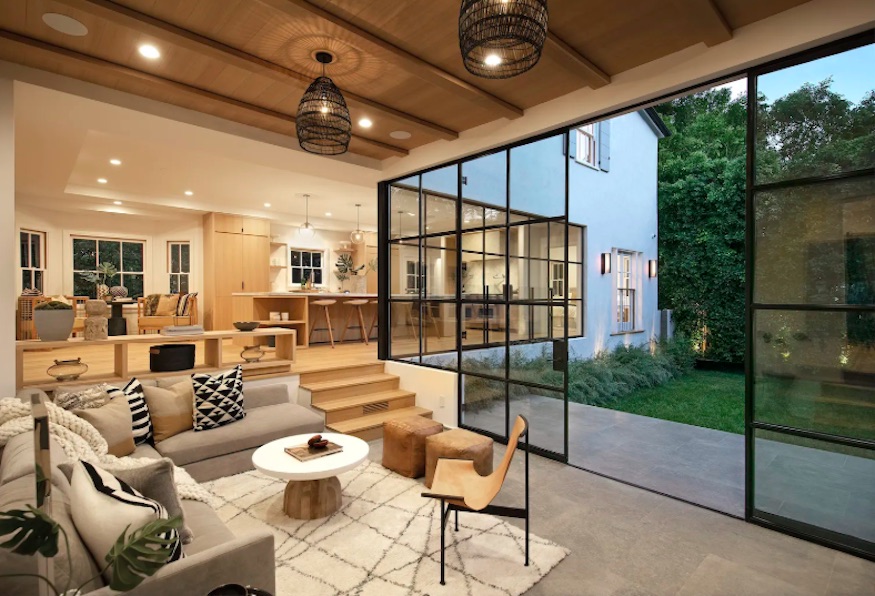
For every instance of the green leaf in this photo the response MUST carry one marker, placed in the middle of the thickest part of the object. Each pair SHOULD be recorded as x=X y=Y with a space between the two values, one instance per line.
x=138 y=556
x=33 y=532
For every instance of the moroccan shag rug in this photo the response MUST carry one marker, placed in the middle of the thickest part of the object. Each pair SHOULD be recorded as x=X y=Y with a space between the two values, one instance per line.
x=385 y=540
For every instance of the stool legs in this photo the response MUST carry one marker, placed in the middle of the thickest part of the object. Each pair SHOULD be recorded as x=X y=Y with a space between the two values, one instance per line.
x=327 y=323
x=361 y=326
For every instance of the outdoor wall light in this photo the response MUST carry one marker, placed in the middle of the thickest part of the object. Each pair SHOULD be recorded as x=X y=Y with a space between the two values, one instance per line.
x=651 y=268
x=606 y=262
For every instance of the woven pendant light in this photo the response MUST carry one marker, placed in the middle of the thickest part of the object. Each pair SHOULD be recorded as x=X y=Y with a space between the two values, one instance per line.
x=500 y=39
x=322 y=121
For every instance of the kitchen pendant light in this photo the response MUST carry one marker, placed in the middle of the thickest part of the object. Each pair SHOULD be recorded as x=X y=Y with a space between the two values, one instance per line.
x=322 y=122
x=306 y=230
x=500 y=39
x=358 y=236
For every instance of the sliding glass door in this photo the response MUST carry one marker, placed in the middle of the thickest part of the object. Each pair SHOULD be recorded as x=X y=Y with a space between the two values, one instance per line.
x=811 y=233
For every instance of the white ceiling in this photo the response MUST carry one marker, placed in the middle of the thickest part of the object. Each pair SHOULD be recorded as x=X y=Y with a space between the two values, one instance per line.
x=64 y=143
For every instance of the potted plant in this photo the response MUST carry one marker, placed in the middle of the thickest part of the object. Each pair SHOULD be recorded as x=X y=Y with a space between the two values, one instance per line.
x=134 y=556
x=102 y=277
x=53 y=320
x=346 y=268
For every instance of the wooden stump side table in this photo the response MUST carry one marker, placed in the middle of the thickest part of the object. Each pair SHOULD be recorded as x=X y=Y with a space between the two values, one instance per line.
x=313 y=489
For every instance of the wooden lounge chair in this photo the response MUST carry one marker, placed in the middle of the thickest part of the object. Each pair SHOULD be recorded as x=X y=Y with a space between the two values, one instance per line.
x=460 y=488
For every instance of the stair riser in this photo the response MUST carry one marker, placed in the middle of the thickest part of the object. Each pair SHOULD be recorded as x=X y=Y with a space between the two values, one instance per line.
x=353 y=370
x=359 y=411
x=322 y=396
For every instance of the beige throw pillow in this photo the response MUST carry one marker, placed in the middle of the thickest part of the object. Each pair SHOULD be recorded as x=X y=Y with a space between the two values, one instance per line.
x=114 y=423
x=167 y=305
x=171 y=409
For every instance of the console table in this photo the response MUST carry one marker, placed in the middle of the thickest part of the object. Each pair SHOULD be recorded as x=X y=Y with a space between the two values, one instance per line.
x=279 y=365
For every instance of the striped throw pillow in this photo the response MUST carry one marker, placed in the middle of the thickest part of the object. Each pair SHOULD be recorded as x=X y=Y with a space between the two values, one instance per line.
x=103 y=507
x=141 y=421
x=183 y=307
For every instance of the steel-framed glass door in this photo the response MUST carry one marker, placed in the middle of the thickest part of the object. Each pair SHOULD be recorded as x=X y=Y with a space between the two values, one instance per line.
x=811 y=300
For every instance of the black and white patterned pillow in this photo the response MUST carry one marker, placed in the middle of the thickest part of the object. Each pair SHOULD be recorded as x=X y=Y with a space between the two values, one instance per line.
x=141 y=420
x=218 y=399
x=103 y=507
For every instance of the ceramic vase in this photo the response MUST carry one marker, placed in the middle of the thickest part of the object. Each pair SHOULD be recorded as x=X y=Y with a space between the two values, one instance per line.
x=103 y=292
x=53 y=325
x=118 y=292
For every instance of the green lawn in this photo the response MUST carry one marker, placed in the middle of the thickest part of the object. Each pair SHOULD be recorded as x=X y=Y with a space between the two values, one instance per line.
x=701 y=398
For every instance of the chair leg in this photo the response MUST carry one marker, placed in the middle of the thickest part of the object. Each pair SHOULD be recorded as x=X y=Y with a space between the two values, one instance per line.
x=362 y=325
x=457 y=520
x=328 y=323
x=443 y=540
x=373 y=324
x=346 y=325
x=313 y=325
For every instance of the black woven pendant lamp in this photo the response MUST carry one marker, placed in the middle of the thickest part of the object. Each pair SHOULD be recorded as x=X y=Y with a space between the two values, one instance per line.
x=323 y=122
x=500 y=39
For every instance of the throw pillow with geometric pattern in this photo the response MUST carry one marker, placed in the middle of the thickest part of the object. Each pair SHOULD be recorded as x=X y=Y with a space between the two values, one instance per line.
x=218 y=399
x=141 y=420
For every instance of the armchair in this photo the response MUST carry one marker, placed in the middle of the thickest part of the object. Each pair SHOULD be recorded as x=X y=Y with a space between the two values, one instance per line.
x=184 y=314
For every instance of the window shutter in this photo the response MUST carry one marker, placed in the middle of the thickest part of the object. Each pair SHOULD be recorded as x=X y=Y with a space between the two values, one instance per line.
x=604 y=133
x=572 y=143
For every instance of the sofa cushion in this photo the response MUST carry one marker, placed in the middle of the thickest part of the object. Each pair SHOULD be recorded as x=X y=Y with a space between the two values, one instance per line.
x=17 y=494
x=208 y=529
x=94 y=396
x=113 y=422
x=171 y=409
x=266 y=395
x=146 y=451
x=18 y=458
x=218 y=399
x=141 y=421
x=260 y=426
x=166 y=306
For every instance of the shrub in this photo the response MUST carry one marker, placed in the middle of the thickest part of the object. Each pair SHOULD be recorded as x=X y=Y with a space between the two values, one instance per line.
x=53 y=305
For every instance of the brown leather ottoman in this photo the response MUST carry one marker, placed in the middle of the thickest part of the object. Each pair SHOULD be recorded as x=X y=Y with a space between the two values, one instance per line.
x=404 y=444
x=458 y=444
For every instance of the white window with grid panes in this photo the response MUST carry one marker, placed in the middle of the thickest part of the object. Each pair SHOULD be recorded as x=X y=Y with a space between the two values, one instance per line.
x=625 y=318
x=306 y=264
x=32 y=259
x=128 y=257
x=179 y=266
x=587 y=145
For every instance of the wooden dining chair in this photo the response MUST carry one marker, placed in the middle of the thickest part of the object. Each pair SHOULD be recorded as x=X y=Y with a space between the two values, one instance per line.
x=460 y=488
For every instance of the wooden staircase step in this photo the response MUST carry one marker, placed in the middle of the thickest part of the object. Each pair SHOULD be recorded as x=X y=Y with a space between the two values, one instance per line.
x=350 y=387
x=362 y=400
x=340 y=370
x=338 y=410
x=370 y=427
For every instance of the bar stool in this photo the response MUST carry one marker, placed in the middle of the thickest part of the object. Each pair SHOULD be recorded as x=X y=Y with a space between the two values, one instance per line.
x=375 y=318
x=355 y=305
x=324 y=304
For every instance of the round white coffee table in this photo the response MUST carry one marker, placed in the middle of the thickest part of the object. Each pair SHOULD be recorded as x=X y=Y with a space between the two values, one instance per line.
x=313 y=489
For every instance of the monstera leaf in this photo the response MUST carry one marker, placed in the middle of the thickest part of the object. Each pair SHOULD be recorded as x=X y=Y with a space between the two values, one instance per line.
x=139 y=555
x=33 y=532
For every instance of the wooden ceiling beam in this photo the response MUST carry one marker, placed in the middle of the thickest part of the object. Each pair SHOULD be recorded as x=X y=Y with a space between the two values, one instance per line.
x=175 y=86
x=127 y=17
x=706 y=18
x=594 y=76
x=401 y=58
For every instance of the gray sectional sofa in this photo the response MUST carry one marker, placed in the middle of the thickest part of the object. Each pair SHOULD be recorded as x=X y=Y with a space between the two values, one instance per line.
x=216 y=556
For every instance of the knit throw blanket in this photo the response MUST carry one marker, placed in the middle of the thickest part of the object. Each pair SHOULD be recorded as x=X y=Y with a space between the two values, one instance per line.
x=80 y=440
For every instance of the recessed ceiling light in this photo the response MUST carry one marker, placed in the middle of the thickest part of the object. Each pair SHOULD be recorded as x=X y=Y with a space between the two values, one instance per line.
x=492 y=60
x=267 y=204
x=328 y=214
x=116 y=202
x=115 y=162
x=188 y=193
x=366 y=123
x=101 y=180
x=400 y=135
x=149 y=51
x=64 y=24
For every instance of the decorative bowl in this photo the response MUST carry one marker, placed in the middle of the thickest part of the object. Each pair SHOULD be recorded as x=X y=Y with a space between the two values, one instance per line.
x=67 y=370
x=246 y=325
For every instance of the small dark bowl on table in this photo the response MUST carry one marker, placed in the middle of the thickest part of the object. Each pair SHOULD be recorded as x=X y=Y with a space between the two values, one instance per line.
x=247 y=325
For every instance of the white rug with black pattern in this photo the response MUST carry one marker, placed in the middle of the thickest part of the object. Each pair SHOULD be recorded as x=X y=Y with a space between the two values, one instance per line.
x=385 y=540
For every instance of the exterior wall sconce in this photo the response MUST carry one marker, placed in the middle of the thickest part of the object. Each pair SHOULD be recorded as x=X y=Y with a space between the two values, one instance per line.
x=606 y=262
x=651 y=268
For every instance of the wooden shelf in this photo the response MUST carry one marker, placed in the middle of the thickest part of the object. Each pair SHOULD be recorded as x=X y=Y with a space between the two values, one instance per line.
x=278 y=266
x=283 y=323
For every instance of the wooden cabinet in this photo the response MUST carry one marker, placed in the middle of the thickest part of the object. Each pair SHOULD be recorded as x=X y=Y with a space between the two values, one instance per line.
x=236 y=259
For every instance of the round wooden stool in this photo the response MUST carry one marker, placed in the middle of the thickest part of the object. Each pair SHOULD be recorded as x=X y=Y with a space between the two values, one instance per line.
x=324 y=304
x=355 y=306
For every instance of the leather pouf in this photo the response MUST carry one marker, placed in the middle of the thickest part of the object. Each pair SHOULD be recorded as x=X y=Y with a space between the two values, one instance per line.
x=404 y=444
x=458 y=444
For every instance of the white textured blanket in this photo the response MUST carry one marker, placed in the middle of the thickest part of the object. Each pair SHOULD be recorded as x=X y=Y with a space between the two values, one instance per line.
x=80 y=440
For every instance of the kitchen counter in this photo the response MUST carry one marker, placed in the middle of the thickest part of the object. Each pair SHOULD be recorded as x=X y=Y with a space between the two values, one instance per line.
x=306 y=294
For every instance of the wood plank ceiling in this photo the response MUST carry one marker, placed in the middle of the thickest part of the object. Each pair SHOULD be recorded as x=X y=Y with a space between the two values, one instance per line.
x=397 y=63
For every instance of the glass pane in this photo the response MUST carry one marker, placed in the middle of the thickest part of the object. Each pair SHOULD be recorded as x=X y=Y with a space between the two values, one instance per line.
x=440 y=214
x=306 y=259
x=26 y=279
x=575 y=318
x=36 y=251
x=316 y=259
x=815 y=118
x=404 y=328
x=439 y=327
x=134 y=283
x=442 y=182
x=535 y=322
x=486 y=361
x=533 y=363
x=530 y=279
x=174 y=283
x=84 y=255
x=174 y=258
x=296 y=275
x=816 y=244
x=296 y=258
x=38 y=280
x=133 y=256
x=575 y=244
x=110 y=252
x=531 y=240
x=404 y=211
x=537 y=177
x=814 y=371
x=483 y=404
x=183 y=283
x=473 y=216
x=484 y=180
x=317 y=276
x=441 y=269
x=482 y=324
x=24 y=251
x=545 y=412
x=185 y=251
x=817 y=483
x=81 y=287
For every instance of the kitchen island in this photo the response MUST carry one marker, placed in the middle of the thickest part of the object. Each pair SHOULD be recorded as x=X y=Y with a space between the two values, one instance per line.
x=257 y=306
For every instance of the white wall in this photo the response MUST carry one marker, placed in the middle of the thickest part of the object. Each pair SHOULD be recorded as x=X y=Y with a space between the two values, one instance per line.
x=8 y=268
x=436 y=390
